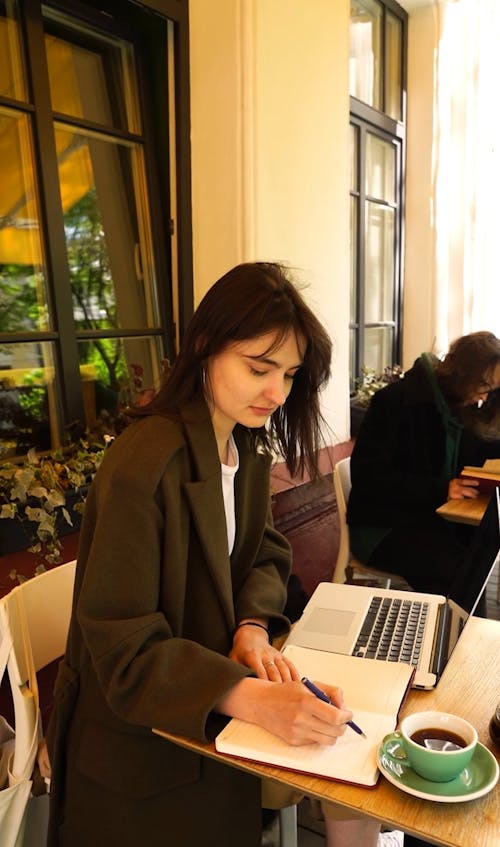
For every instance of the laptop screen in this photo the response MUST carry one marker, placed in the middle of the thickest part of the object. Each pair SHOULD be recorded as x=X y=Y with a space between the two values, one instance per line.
x=471 y=577
x=475 y=569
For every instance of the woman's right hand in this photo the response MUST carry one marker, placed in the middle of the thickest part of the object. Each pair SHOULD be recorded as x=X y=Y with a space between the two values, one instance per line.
x=289 y=710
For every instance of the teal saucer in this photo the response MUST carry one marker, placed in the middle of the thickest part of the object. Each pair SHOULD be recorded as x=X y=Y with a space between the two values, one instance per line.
x=477 y=779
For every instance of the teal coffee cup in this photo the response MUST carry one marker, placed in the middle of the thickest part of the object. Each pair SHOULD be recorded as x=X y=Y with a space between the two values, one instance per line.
x=438 y=746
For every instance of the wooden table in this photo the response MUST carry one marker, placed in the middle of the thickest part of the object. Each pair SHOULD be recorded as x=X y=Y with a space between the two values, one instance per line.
x=470 y=686
x=469 y=510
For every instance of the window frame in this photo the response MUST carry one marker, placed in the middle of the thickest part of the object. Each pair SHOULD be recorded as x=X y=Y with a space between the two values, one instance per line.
x=367 y=119
x=115 y=18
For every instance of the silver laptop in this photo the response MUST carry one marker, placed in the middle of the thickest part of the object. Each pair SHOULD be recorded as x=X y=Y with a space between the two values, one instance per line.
x=402 y=626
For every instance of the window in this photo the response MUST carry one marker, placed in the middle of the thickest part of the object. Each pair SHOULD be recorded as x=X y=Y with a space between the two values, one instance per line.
x=88 y=297
x=377 y=88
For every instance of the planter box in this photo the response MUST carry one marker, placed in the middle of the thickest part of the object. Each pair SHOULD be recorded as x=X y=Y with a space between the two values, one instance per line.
x=16 y=535
x=357 y=414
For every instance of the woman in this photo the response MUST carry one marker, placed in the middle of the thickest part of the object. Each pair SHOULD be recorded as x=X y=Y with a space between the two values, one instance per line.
x=417 y=435
x=181 y=581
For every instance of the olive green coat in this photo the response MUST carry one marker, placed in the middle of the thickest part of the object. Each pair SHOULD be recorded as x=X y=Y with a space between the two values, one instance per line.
x=156 y=601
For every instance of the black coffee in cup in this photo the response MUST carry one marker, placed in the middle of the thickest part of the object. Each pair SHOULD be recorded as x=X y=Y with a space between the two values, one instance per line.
x=437 y=738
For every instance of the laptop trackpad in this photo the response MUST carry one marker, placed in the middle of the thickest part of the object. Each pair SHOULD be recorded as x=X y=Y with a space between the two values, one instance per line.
x=330 y=621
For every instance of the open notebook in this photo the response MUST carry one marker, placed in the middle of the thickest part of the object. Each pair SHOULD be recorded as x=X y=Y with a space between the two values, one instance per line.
x=353 y=620
x=329 y=644
x=374 y=695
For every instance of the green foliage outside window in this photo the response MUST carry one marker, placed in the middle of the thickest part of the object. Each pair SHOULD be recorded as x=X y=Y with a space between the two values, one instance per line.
x=371 y=382
x=92 y=289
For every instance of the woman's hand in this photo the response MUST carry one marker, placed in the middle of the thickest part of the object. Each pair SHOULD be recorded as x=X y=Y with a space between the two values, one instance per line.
x=289 y=710
x=251 y=648
x=459 y=489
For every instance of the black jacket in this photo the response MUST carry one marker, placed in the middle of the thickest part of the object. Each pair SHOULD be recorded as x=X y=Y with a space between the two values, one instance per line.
x=399 y=467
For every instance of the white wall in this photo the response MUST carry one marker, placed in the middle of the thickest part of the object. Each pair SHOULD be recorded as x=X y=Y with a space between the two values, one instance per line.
x=419 y=318
x=270 y=153
x=215 y=70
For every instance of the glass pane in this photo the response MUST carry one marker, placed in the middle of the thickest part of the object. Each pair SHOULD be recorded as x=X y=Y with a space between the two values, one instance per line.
x=354 y=157
x=394 y=54
x=365 y=34
x=27 y=399
x=379 y=264
x=378 y=347
x=107 y=227
x=91 y=76
x=12 y=73
x=380 y=168
x=117 y=372
x=354 y=258
x=23 y=295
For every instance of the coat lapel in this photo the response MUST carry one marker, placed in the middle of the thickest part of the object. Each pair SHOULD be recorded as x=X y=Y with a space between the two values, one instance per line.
x=251 y=512
x=206 y=503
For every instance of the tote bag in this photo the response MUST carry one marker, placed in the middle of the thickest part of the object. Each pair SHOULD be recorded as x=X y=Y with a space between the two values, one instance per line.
x=14 y=792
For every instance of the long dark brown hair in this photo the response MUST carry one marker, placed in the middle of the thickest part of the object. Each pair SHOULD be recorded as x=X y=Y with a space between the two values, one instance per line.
x=467 y=364
x=463 y=371
x=250 y=300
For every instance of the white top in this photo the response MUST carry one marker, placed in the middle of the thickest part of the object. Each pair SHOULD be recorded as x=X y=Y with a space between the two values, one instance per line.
x=228 y=474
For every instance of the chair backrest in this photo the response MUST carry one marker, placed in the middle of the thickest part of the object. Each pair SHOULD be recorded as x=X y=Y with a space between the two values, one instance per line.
x=342 y=486
x=34 y=619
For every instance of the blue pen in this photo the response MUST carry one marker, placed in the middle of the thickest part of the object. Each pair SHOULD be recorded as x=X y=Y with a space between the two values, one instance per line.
x=322 y=696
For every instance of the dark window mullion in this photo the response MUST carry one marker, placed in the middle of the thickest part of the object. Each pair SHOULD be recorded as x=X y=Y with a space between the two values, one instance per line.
x=53 y=220
x=156 y=163
x=85 y=334
x=383 y=61
x=362 y=251
x=357 y=325
x=183 y=130
x=398 y=257
x=96 y=130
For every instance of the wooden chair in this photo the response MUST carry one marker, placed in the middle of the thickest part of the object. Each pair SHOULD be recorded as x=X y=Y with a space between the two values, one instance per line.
x=35 y=616
x=347 y=567
x=34 y=620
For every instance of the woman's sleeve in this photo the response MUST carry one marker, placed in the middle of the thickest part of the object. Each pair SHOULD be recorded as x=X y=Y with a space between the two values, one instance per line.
x=147 y=676
x=262 y=592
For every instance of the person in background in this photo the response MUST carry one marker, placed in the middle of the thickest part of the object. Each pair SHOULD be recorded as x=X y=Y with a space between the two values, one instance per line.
x=180 y=585
x=417 y=435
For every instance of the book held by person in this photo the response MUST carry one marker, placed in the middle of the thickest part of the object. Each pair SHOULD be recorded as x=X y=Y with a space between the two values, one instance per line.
x=488 y=476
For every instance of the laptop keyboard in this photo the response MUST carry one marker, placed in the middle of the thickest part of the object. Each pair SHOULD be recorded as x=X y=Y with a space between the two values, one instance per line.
x=393 y=630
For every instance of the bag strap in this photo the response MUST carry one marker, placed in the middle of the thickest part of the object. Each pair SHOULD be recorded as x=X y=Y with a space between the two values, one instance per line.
x=28 y=652
x=5 y=646
x=24 y=768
